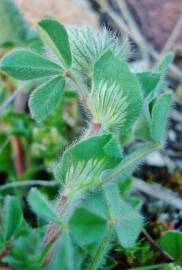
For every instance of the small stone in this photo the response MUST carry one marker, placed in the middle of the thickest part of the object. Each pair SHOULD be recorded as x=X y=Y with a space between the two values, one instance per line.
x=172 y=135
x=155 y=159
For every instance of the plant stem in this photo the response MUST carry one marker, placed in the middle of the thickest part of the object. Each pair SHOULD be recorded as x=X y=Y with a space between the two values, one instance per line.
x=5 y=251
x=102 y=248
x=28 y=183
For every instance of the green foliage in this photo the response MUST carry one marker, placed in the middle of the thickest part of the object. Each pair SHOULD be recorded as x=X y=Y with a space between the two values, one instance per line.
x=160 y=112
x=94 y=205
x=86 y=227
x=171 y=242
x=55 y=36
x=13 y=217
x=148 y=81
x=115 y=100
x=164 y=63
x=24 y=64
x=42 y=207
x=128 y=221
x=45 y=98
x=13 y=26
x=89 y=45
x=64 y=258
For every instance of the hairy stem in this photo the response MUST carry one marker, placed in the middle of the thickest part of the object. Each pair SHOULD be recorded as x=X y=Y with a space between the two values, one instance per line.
x=101 y=250
x=28 y=183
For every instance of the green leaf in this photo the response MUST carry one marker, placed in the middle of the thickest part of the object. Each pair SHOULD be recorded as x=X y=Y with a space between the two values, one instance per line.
x=113 y=149
x=64 y=257
x=129 y=163
x=115 y=100
x=96 y=147
x=160 y=114
x=171 y=242
x=129 y=222
x=46 y=97
x=142 y=128
x=86 y=227
x=165 y=62
x=26 y=65
x=13 y=217
x=42 y=207
x=55 y=36
x=96 y=203
x=125 y=186
x=88 y=45
x=148 y=81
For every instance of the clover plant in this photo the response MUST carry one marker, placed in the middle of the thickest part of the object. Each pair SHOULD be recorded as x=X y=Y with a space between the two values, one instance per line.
x=127 y=118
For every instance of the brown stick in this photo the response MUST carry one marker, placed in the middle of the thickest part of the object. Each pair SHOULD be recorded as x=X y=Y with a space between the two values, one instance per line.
x=156 y=247
x=18 y=155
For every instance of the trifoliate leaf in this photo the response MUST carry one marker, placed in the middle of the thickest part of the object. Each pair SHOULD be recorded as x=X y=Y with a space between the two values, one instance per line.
x=160 y=114
x=45 y=98
x=129 y=222
x=86 y=227
x=148 y=81
x=42 y=207
x=55 y=36
x=24 y=64
x=13 y=216
x=115 y=100
x=171 y=242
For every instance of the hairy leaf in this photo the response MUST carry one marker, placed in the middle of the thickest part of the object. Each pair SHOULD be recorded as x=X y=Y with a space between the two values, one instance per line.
x=64 y=257
x=13 y=216
x=115 y=100
x=42 y=207
x=129 y=163
x=88 y=45
x=160 y=114
x=46 y=97
x=167 y=59
x=86 y=227
x=91 y=155
x=128 y=221
x=25 y=64
x=148 y=81
x=95 y=202
x=55 y=36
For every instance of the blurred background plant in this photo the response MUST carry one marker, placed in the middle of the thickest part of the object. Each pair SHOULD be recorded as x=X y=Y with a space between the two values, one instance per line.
x=28 y=150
